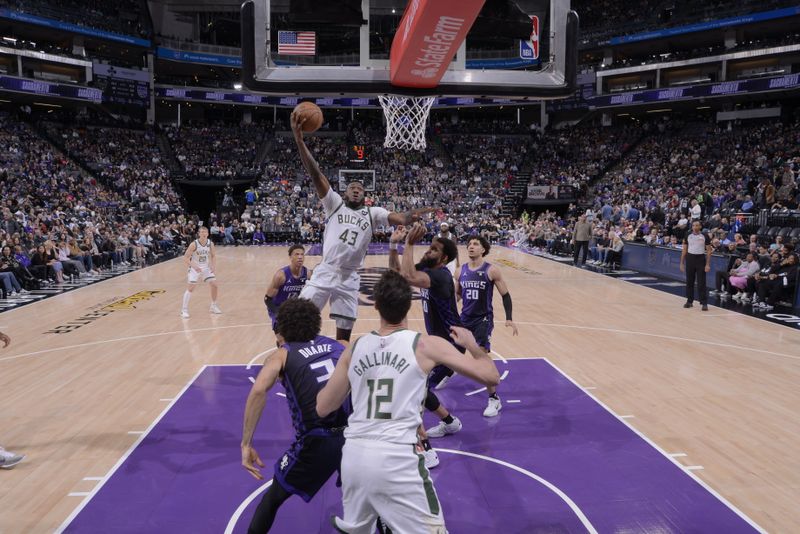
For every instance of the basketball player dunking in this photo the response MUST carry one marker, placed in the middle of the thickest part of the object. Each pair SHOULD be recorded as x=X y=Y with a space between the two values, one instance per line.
x=475 y=282
x=349 y=228
x=201 y=259
x=386 y=372
x=304 y=364
x=287 y=282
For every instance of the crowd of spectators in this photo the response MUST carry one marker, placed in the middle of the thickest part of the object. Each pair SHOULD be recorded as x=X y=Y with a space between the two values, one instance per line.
x=217 y=150
x=680 y=173
x=57 y=220
x=128 y=161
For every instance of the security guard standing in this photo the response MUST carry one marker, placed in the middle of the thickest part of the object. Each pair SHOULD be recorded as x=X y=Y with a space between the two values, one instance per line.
x=696 y=262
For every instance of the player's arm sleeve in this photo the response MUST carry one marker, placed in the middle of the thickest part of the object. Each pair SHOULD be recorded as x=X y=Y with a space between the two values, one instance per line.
x=331 y=202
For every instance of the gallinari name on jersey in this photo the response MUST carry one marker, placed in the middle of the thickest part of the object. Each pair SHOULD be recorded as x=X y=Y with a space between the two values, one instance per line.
x=356 y=220
x=376 y=360
x=313 y=350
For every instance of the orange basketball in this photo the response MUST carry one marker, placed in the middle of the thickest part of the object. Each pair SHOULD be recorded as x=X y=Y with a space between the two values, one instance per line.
x=312 y=115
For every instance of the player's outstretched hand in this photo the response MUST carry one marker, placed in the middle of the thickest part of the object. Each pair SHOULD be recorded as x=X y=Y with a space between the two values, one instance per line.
x=250 y=460
x=417 y=213
x=462 y=336
x=296 y=123
x=399 y=234
x=416 y=233
x=514 y=330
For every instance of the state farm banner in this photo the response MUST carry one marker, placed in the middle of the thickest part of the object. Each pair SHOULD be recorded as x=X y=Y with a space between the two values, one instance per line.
x=428 y=37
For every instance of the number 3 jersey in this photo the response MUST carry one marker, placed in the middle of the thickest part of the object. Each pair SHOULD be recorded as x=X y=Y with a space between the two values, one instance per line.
x=309 y=366
x=348 y=232
x=387 y=388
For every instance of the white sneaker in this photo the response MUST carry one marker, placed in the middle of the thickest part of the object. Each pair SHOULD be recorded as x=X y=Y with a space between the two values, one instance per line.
x=443 y=429
x=442 y=384
x=23 y=291
x=493 y=407
x=431 y=458
x=185 y=314
x=713 y=292
x=215 y=309
x=724 y=295
x=9 y=459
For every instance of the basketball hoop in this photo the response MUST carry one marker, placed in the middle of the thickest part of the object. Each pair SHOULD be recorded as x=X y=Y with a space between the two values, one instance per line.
x=405 y=120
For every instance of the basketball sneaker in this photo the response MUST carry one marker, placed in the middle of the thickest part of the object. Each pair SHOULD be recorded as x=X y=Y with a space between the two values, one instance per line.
x=431 y=458
x=493 y=407
x=9 y=459
x=185 y=314
x=443 y=429
x=215 y=308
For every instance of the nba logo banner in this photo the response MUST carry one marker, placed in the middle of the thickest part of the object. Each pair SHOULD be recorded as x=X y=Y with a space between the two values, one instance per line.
x=530 y=49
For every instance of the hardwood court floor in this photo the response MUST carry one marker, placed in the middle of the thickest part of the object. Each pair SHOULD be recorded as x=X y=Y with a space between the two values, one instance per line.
x=719 y=387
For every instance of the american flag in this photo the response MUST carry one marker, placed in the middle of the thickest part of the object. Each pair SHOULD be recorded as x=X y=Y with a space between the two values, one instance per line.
x=297 y=43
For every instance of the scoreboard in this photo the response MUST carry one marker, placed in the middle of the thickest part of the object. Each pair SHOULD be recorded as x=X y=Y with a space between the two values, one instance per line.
x=121 y=85
x=357 y=154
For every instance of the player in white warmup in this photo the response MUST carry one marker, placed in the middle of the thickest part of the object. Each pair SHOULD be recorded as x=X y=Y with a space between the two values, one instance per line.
x=349 y=227
x=201 y=259
x=383 y=474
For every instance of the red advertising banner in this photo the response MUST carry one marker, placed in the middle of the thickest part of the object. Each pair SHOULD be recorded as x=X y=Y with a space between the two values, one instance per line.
x=428 y=37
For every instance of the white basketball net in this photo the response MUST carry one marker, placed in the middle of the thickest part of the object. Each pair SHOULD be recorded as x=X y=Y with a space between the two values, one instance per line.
x=405 y=120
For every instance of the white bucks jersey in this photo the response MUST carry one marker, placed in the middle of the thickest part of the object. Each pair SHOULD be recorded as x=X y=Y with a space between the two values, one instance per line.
x=201 y=253
x=348 y=232
x=388 y=388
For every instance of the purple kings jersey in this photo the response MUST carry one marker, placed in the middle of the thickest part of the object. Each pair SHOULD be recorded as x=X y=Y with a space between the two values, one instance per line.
x=291 y=287
x=476 y=293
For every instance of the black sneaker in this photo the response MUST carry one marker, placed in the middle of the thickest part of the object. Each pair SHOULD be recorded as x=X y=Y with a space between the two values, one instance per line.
x=688 y=305
x=705 y=307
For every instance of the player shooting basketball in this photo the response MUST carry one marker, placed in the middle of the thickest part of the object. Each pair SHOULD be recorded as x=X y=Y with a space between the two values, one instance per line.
x=349 y=229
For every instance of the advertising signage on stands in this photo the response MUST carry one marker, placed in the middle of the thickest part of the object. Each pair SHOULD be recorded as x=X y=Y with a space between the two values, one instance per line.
x=72 y=28
x=789 y=81
x=39 y=87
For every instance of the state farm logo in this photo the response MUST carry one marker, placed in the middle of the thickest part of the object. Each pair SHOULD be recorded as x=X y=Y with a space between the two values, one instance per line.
x=438 y=48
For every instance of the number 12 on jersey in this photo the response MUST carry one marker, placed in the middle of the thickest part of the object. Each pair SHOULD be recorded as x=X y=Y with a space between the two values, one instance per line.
x=380 y=392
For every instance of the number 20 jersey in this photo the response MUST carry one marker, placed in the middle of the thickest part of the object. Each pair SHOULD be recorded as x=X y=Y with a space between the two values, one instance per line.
x=348 y=232
x=387 y=388
x=309 y=366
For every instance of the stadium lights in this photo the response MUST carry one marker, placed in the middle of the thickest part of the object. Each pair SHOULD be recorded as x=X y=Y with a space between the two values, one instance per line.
x=660 y=110
x=237 y=86
x=703 y=107
x=10 y=39
x=47 y=105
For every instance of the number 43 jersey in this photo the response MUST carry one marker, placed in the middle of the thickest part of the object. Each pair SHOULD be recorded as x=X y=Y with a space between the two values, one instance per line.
x=387 y=388
x=348 y=232
x=309 y=366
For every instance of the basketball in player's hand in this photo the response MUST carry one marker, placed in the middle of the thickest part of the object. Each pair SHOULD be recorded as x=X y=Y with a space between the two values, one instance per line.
x=309 y=114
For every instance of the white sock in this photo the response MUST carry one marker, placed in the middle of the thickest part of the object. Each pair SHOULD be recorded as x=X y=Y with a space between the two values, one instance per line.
x=186 y=296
